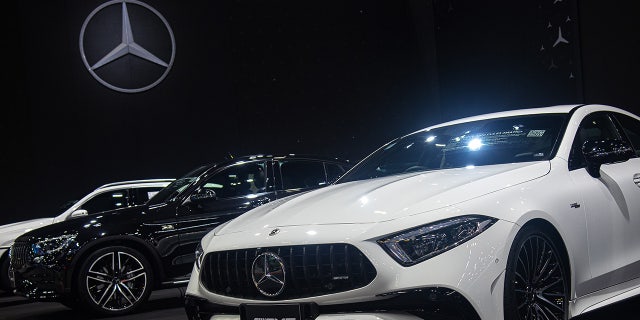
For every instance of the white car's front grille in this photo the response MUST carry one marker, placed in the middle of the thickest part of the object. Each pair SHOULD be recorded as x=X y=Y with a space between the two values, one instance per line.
x=286 y=272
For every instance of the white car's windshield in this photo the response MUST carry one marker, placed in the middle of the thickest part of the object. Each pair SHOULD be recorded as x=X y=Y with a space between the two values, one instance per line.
x=484 y=142
x=67 y=205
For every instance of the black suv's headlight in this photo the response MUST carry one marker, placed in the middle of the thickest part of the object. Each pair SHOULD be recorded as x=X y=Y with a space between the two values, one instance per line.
x=52 y=247
x=416 y=245
x=199 y=255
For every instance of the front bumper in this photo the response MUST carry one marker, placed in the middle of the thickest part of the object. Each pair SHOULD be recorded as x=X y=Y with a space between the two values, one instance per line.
x=473 y=272
x=39 y=283
x=425 y=303
x=39 y=277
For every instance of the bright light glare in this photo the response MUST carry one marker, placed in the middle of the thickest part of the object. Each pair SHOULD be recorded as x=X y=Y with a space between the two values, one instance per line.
x=475 y=144
x=431 y=138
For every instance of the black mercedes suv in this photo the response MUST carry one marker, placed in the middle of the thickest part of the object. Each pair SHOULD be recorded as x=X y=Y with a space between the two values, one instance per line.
x=110 y=262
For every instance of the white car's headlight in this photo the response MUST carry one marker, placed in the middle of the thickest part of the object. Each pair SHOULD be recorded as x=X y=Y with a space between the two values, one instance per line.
x=416 y=245
x=199 y=255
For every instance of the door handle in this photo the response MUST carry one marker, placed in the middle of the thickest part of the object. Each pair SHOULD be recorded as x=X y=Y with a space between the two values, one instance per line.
x=636 y=179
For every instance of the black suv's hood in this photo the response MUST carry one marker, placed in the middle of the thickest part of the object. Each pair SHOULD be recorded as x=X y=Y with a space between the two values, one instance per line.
x=90 y=226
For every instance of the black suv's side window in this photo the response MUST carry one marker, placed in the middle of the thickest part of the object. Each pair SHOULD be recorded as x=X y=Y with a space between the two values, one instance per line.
x=301 y=174
x=239 y=180
x=631 y=128
x=596 y=126
x=107 y=201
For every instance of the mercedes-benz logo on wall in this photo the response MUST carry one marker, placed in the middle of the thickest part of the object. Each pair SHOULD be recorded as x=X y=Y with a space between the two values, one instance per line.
x=268 y=274
x=127 y=45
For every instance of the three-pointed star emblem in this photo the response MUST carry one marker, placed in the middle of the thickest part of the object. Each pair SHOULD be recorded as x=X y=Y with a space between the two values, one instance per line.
x=127 y=46
x=268 y=274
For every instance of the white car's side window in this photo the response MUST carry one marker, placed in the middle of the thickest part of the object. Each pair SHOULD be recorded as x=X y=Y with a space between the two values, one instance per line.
x=107 y=201
x=631 y=128
x=596 y=126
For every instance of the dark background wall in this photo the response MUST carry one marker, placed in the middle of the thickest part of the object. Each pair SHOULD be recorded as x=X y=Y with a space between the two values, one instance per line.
x=329 y=77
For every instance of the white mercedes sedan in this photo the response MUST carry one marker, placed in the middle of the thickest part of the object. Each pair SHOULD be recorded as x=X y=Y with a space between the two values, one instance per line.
x=525 y=214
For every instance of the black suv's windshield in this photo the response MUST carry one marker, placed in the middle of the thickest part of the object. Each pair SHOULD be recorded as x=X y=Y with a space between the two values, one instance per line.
x=478 y=143
x=176 y=187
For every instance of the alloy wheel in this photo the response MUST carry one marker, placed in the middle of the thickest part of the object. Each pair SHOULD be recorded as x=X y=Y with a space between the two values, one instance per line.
x=540 y=288
x=116 y=281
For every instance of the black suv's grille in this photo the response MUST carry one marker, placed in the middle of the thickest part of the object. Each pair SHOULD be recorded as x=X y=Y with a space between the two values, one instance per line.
x=310 y=270
x=20 y=254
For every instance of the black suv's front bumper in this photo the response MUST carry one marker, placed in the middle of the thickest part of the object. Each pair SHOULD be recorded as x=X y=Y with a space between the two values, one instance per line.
x=39 y=283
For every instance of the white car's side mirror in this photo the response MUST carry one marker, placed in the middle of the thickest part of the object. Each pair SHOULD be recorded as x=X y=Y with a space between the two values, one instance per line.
x=599 y=152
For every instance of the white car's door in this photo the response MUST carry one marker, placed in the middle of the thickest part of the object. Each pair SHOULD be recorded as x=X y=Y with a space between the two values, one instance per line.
x=612 y=208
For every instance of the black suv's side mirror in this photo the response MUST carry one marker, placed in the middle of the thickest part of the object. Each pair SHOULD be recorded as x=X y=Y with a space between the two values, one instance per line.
x=599 y=152
x=203 y=195
x=79 y=213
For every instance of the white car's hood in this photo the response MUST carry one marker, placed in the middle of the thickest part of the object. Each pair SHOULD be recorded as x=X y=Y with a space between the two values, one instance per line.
x=9 y=232
x=387 y=198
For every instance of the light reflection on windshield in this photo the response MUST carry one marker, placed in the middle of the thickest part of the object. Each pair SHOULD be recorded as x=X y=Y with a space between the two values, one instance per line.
x=471 y=144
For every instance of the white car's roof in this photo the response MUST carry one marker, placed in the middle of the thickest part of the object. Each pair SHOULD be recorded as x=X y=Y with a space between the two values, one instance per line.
x=114 y=186
x=566 y=108
x=132 y=183
x=502 y=114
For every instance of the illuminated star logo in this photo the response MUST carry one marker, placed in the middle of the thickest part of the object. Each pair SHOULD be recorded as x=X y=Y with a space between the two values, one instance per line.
x=123 y=63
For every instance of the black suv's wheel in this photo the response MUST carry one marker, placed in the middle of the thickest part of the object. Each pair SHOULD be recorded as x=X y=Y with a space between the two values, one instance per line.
x=537 y=278
x=115 y=280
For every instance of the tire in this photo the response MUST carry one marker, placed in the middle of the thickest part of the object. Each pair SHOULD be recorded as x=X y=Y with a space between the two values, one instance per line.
x=114 y=281
x=537 y=278
x=5 y=283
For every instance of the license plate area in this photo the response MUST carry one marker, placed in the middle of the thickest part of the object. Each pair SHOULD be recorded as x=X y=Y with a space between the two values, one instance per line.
x=275 y=311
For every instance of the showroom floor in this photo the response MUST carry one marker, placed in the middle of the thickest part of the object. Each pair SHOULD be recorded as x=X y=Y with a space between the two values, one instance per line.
x=162 y=305
x=167 y=304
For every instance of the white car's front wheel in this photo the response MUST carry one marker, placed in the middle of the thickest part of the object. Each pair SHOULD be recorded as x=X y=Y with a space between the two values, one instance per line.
x=537 y=281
